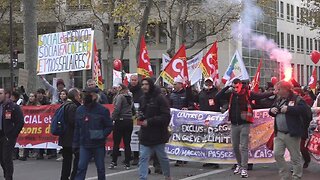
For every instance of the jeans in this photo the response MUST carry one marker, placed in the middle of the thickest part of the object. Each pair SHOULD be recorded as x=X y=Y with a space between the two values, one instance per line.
x=6 y=151
x=240 y=140
x=85 y=156
x=122 y=130
x=67 y=155
x=146 y=152
x=281 y=143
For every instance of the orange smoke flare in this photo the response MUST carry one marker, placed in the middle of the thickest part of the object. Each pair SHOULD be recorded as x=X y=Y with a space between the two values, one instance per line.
x=287 y=73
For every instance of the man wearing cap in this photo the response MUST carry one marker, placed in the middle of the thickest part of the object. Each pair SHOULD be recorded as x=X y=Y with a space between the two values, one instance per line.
x=180 y=98
x=241 y=116
x=92 y=125
x=60 y=86
x=207 y=102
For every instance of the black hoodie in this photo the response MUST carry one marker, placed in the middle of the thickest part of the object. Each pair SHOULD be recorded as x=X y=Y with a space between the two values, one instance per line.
x=136 y=92
x=156 y=110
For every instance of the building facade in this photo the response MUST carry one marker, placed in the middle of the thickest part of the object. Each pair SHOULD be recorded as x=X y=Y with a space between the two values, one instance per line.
x=281 y=24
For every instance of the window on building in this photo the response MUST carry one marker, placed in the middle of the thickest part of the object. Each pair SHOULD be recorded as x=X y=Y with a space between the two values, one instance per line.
x=311 y=44
x=292 y=42
x=288 y=12
x=281 y=9
x=302 y=74
x=288 y=42
x=298 y=44
x=163 y=34
x=302 y=44
x=292 y=13
x=307 y=45
x=316 y=44
x=308 y=72
x=298 y=14
x=78 y=4
x=298 y=73
x=282 y=40
x=45 y=28
x=151 y=34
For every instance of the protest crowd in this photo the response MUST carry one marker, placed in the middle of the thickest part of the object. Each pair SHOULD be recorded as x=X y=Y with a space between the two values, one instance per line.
x=88 y=122
x=83 y=120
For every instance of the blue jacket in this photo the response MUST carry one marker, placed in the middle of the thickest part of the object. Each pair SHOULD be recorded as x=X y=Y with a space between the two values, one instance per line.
x=93 y=125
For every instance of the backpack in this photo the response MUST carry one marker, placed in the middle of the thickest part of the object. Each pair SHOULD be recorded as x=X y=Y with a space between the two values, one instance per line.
x=307 y=116
x=58 y=124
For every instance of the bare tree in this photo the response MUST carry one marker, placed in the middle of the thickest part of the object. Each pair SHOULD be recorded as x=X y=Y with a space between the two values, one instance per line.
x=215 y=20
x=310 y=14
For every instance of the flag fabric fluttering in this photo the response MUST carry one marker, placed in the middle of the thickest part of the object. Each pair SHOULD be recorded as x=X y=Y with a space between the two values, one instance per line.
x=236 y=69
x=256 y=80
x=96 y=74
x=209 y=63
x=313 y=80
x=144 y=65
x=193 y=67
x=177 y=67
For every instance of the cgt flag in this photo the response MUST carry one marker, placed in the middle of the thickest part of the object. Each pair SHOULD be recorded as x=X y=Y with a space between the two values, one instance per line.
x=144 y=66
x=97 y=75
x=177 y=67
x=209 y=63
x=313 y=80
x=256 y=80
x=236 y=69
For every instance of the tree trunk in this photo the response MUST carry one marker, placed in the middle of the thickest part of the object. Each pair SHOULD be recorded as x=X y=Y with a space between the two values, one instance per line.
x=30 y=42
x=109 y=62
x=143 y=25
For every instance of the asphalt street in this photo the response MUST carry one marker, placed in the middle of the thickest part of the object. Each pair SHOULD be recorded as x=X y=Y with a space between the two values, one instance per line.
x=50 y=170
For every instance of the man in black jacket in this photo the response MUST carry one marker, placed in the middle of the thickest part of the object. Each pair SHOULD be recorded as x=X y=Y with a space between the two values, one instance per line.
x=241 y=116
x=288 y=129
x=11 y=123
x=154 y=117
x=66 y=139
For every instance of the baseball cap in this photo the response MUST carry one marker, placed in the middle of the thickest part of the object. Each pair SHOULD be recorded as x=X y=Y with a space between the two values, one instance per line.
x=208 y=79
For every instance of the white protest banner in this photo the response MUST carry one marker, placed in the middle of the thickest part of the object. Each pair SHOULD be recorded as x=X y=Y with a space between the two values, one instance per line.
x=65 y=51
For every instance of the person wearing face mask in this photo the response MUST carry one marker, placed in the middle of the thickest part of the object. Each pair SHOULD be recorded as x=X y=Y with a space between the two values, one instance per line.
x=241 y=116
x=207 y=102
x=92 y=126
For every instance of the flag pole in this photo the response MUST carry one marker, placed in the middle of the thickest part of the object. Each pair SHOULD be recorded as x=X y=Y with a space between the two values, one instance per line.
x=158 y=78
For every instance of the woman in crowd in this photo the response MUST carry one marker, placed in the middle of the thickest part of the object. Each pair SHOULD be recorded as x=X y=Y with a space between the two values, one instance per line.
x=123 y=125
x=63 y=96
x=31 y=102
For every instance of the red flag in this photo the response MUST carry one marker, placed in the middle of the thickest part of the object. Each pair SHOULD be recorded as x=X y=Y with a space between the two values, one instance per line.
x=144 y=66
x=177 y=67
x=209 y=63
x=256 y=80
x=313 y=79
x=96 y=74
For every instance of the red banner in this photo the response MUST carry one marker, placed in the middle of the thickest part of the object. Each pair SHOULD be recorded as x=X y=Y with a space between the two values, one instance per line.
x=313 y=145
x=209 y=63
x=36 y=130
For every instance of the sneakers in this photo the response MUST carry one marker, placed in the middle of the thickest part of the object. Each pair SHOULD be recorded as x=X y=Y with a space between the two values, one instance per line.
x=244 y=173
x=127 y=166
x=237 y=170
x=112 y=165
